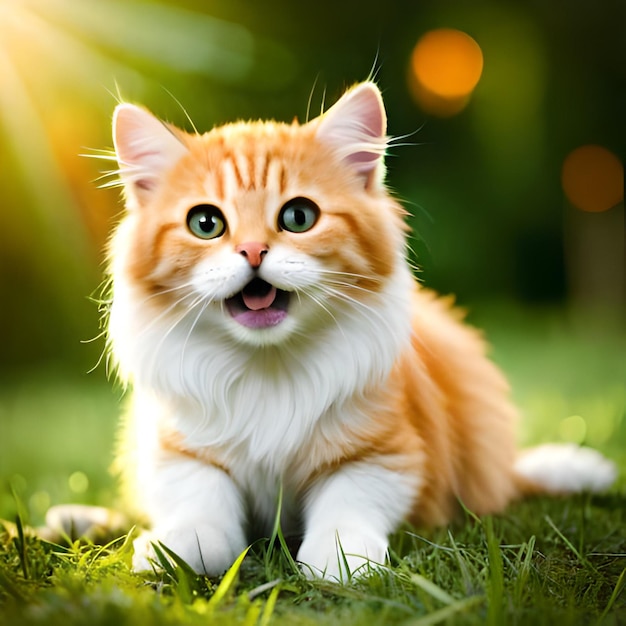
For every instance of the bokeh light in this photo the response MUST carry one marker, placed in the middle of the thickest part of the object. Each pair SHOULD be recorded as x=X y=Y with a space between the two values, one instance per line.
x=78 y=482
x=593 y=178
x=446 y=65
x=573 y=428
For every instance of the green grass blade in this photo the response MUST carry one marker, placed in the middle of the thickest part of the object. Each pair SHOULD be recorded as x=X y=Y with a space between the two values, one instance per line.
x=257 y=591
x=20 y=544
x=181 y=565
x=447 y=612
x=11 y=587
x=524 y=568
x=253 y=614
x=617 y=590
x=279 y=509
x=277 y=534
x=432 y=589
x=166 y=565
x=227 y=583
x=344 y=560
x=463 y=564
x=495 y=586
x=268 y=609
x=184 y=577
x=568 y=543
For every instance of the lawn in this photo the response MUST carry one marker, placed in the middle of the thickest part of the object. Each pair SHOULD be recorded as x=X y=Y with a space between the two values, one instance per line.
x=544 y=561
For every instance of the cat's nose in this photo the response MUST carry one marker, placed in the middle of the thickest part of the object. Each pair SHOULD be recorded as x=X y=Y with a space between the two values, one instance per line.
x=253 y=252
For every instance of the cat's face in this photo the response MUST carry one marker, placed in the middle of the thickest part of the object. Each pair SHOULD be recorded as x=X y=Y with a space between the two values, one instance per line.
x=263 y=231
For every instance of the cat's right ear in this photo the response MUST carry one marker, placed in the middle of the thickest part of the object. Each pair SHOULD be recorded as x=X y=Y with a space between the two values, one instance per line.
x=146 y=148
x=355 y=128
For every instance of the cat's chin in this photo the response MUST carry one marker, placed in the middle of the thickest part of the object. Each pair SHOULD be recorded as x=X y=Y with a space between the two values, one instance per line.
x=259 y=305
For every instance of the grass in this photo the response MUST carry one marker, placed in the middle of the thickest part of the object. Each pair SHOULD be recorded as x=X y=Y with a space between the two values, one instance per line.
x=543 y=561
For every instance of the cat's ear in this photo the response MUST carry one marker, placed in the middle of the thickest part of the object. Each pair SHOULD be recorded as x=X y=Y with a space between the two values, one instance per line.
x=146 y=148
x=355 y=128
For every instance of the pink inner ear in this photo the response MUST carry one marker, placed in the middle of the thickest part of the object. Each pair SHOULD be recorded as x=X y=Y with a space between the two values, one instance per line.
x=364 y=161
x=355 y=127
x=373 y=117
x=145 y=147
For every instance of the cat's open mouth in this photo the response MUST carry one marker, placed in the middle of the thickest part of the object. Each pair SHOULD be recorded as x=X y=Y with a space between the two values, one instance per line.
x=259 y=305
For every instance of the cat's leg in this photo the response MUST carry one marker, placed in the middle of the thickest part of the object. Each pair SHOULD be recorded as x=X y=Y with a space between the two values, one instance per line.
x=198 y=512
x=348 y=517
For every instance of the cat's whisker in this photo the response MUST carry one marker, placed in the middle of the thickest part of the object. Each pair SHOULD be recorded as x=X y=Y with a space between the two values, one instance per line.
x=175 y=323
x=205 y=301
x=115 y=174
x=340 y=283
x=101 y=155
x=163 y=292
x=364 y=308
x=321 y=304
x=172 y=326
x=166 y=312
x=103 y=352
x=183 y=109
x=350 y=275
x=109 y=184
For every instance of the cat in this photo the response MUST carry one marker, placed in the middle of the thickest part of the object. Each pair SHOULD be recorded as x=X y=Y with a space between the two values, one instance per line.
x=275 y=340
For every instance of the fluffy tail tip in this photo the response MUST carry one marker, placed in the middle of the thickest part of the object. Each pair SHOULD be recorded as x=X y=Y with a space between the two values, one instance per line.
x=565 y=468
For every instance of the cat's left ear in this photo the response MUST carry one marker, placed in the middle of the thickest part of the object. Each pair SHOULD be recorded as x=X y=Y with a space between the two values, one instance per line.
x=146 y=149
x=355 y=128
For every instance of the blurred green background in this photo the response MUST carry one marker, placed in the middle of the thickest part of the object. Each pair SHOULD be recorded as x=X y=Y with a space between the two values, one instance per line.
x=529 y=236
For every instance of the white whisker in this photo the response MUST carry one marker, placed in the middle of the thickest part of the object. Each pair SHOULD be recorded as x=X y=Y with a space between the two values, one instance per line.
x=349 y=275
x=167 y=311
x=163 y=292
x=205 y=301
x=172 y=326
x=340 y=283
x=101 y=155
x=360 y=307
x=319 y=302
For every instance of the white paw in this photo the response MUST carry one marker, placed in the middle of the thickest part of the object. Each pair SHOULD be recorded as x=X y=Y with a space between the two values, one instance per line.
x=339 y=555
x=81 y=520
x=206 y=549
x=566 y=468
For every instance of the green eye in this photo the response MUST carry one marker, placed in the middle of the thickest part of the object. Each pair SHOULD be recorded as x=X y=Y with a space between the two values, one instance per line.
x=298 y=215
x=206 y=221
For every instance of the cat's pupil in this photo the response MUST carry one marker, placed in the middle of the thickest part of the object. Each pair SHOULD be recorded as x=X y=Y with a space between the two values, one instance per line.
x=207 y=223
x=299 y=217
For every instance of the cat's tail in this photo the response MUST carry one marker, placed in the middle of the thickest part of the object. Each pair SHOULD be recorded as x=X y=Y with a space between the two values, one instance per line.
x=562 y=469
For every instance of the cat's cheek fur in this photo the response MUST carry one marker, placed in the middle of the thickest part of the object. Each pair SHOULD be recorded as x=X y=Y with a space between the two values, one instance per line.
x=349 y=515
x=220 y=276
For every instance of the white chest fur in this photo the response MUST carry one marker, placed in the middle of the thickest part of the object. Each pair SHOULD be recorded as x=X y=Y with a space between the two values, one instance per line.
x=263 y=401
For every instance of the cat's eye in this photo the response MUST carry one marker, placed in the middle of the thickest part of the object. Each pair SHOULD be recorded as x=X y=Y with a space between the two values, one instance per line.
x=206 y=221
x=298 y=215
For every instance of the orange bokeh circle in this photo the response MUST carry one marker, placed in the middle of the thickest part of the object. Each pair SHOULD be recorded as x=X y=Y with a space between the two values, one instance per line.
x=447 y=62
x=593 y=178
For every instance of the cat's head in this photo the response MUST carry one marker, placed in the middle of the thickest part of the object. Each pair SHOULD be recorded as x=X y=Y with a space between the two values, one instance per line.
x=264 y=231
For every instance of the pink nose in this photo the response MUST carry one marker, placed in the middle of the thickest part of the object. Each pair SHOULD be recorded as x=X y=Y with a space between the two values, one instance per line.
x=253 y=252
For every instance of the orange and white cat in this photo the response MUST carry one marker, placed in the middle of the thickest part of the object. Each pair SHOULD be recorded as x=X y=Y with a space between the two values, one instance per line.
x=267 y=320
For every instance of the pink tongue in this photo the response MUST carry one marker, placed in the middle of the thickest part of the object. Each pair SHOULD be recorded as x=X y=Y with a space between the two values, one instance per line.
x=255 y=302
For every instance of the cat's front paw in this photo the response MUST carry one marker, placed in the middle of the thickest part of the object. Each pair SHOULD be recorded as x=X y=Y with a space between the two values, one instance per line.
x=207 y=550
x=339 y=555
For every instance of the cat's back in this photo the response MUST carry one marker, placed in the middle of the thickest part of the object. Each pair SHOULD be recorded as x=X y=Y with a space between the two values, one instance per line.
x=458 y=401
